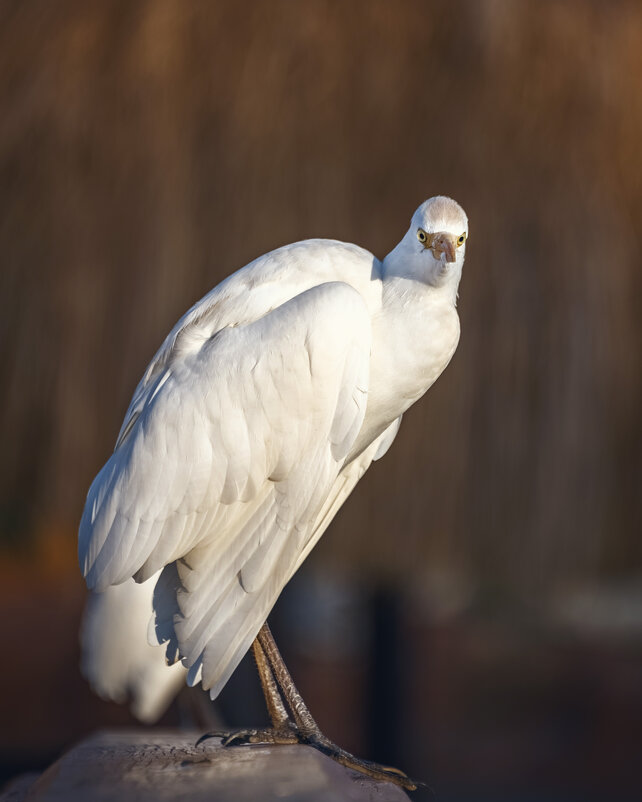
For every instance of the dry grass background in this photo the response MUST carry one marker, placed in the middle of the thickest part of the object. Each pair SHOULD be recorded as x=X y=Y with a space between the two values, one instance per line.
x=148 y=149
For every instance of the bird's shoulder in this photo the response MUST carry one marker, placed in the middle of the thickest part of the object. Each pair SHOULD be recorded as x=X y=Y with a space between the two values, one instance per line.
x=252 y=292
x=277 y=277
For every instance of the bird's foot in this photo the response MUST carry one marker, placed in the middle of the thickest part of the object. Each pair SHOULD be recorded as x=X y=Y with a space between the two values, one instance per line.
x=287 y=734
x=375 y=770
x=290 y=734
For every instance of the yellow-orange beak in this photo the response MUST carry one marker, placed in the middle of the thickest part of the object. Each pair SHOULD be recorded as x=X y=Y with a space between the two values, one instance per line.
x=443 y=243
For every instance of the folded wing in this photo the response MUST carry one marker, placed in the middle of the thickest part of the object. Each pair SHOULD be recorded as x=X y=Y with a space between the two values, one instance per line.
x=224 y=469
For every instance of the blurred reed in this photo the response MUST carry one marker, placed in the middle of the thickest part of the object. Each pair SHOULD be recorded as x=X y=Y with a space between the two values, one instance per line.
x=148 y=149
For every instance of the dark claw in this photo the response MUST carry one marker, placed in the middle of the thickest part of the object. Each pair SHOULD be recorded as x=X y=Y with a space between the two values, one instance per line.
x=207 y=735
x=368 y=767
x=236 y=738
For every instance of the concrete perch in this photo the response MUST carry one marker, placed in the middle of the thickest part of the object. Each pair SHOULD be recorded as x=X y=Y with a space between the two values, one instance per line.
x=116 y=766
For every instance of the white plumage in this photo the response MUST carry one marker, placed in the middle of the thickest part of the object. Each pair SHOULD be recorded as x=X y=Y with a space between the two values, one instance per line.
x=116 y=659
x=254 y=421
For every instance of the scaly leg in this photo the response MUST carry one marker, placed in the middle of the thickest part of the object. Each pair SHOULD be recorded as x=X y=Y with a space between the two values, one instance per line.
x=281 y=694
x=276 y=708
x=283 y=730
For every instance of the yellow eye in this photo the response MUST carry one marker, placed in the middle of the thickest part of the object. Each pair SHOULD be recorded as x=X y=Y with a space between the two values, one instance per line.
x=421 y=235
x=461 y=240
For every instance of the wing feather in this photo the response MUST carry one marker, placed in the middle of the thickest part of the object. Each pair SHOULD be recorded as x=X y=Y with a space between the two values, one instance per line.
x=115 y=658
x=224 y=471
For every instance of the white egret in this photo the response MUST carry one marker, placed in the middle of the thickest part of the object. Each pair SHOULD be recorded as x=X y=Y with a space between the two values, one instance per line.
x=263 y=408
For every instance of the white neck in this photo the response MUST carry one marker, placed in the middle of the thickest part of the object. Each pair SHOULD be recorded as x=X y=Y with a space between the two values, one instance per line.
x=414 y=336
x=408 y=268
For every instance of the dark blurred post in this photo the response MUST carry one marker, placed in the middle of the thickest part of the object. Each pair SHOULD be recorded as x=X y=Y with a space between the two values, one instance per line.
x=385 y=696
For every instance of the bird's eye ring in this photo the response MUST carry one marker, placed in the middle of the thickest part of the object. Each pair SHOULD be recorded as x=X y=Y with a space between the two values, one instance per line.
x=421 y=235
x=461 y=240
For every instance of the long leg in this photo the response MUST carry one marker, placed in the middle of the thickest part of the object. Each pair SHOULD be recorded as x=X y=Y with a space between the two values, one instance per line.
x=308 y=730
x=283 y=680
x=276 y=708
x=297 y=726
x=277 y=685
x=283 y=730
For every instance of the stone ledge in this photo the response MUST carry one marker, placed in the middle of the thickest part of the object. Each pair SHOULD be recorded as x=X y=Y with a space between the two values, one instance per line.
x=117 y=766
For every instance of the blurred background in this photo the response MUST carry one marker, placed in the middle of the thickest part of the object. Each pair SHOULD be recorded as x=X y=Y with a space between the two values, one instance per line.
x=474 y=614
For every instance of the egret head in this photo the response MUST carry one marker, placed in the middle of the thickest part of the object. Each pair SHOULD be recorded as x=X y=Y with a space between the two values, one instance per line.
x=433 y=248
